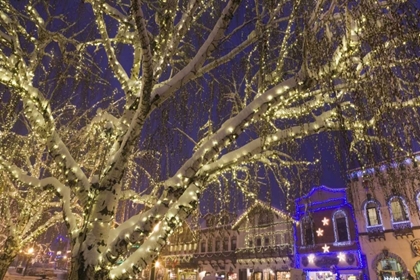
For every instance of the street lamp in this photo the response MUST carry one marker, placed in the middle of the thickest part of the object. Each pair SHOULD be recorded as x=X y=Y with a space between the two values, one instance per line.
x=28 y=255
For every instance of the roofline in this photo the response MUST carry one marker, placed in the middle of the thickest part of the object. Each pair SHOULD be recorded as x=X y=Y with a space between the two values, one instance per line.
x=266 y=206
x=334 y=190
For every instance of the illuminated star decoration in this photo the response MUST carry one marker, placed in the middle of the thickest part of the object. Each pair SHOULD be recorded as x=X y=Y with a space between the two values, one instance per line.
x=320 y=232
x=311 y=258
x=325 y=221
x=341 y=257
x=326 y=248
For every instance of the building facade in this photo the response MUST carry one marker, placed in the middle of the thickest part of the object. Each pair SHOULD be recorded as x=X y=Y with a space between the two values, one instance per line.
x=327 y=243
x=256 y=245
x=265 y=244
x=177 y=258
x=386 y=201
x=217 y=246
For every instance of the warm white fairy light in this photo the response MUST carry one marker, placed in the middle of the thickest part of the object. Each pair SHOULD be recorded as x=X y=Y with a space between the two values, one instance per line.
x=164 y=61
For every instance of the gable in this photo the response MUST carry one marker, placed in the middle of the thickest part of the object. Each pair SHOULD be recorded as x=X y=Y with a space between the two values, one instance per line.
x=260 y=213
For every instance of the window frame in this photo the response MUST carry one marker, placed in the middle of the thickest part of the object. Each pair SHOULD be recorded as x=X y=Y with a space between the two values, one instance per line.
x=344 y=215
x=378 y=214
x=403 y=206
x=306 y=220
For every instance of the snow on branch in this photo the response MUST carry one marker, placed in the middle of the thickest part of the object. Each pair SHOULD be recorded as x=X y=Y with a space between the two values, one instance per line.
x=151 y=247
x=137 y=198
x=257 y=146
x=232 y=128
x=32 y=235
x=62 y=191
x=38 y=112
x=165 y=90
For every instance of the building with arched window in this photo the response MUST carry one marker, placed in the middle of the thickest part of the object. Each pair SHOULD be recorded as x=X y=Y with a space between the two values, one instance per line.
x=386 y=202
x=327 y=245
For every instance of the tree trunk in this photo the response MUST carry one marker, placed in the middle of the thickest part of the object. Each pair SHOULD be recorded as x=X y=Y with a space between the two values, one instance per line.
x=10 y=250
x=5 y=261
x=78 y=271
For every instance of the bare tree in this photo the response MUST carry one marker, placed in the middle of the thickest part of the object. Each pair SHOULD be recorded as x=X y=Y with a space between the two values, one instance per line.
x=281 y=71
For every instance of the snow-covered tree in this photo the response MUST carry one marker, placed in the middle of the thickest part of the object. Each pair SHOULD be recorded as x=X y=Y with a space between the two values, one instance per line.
x=28 y=208
x=259 y=76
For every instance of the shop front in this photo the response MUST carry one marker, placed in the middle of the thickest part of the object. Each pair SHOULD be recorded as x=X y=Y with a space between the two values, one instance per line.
x=329 y=275
x=270 y=274
x=331 y=266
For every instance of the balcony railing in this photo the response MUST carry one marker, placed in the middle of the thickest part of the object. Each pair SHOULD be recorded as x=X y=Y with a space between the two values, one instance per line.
x=376 y=232
x=402 y=229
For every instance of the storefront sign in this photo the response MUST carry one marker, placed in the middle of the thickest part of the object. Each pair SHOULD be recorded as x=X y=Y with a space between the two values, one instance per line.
x=415 y=246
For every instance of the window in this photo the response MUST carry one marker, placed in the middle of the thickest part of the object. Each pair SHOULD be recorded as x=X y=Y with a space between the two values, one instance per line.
x=217 y=249
x=226 y=244
x=258 y=242
x=233 y=243
x=203 y=246
x=250 y=243
x=398 y=209
x=266 y=241
x=307 y=231
x=342 y=229
x=210 y=245
x=372 y=214
x=341 y=226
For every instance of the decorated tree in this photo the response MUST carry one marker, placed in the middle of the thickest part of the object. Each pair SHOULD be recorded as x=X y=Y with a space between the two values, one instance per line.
x=27 y=209
x=196 y=95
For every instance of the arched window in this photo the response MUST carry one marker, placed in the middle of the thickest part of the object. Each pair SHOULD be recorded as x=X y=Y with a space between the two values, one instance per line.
x=398 y=208
x=307 y=231
x=341 y=227
x=373 y=218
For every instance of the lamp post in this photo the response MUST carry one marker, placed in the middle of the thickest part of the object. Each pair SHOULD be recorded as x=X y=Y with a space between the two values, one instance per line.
x=155 y=265
x=28 y=255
